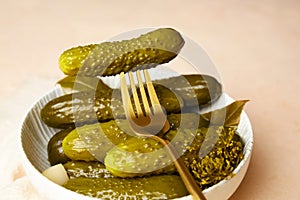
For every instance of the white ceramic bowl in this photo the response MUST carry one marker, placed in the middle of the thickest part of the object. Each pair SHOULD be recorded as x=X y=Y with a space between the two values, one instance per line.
x=35 y=136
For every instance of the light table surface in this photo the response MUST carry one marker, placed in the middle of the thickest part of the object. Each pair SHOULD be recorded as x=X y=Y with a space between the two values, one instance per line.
x=254 y=44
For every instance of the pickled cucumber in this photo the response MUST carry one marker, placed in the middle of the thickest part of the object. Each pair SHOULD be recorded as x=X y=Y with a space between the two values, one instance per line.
x=91 y=142
x=145 y=156
x=111 y=58
x=103 y=105
x=76 y=169
x=138 y=157
x=210 y=153
x=191 y=121
x=56 y=154
x=71 y=59
x=75 y=148
x=204 y=88
x=81 y=108
x=99 y=138
x=153 y=187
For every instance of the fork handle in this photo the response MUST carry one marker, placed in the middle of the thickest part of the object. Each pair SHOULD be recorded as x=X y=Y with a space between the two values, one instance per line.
x=188 y=180
x=185 y=174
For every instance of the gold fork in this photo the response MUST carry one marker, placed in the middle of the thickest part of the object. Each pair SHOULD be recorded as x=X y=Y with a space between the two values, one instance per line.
x=146 y=121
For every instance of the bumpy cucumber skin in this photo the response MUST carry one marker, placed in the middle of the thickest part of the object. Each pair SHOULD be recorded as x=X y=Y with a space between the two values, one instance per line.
x=138 y=157
x=56 y=154
x=88 y=107
x=81 y=108
x=206 y=89
x=91 y=142
x=111 y=58
x=191 y=120
x=82 y=169
x=75 y=148
x=80 y=143
x=74 y=57
x=153 y=187
x=131 y=158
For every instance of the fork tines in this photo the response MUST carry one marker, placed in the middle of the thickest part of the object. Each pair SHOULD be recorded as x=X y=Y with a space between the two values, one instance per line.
x=144 y=104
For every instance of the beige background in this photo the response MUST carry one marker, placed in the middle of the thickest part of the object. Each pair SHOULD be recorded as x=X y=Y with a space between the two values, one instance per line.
x=254 y=44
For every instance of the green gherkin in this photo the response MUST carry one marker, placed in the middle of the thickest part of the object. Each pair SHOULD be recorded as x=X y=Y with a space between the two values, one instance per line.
x=81 y=108
x=211 y=154
x=105 y=103
x=153 y=187
x=56 y=154
x=73 y=58
x=146 y=156
x=111 y=58
x=91 y=142
x=138 y=157
x=82 y=169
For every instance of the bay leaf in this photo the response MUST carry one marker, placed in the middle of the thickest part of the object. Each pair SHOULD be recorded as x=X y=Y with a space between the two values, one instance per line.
x=82 y=83
x=228 y=116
